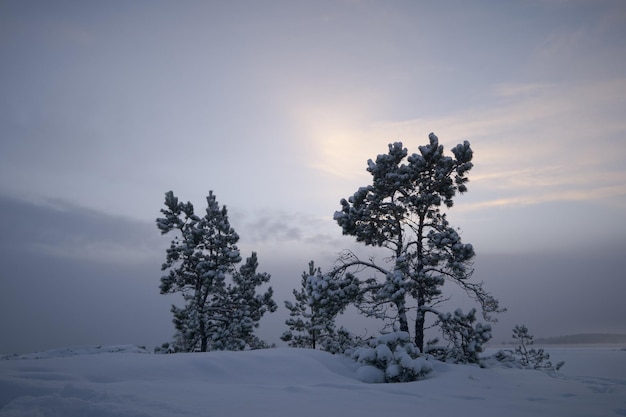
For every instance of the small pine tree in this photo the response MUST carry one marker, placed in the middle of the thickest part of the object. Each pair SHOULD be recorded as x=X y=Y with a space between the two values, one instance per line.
x=531 y=357
x=202 y=255
x=465 y=340
x=246 y=308
x=305 y=326
x=311 y=319
x=526 y=356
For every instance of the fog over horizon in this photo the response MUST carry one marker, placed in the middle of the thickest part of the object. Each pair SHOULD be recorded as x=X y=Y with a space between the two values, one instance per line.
x=277 y=106
x=73 y=276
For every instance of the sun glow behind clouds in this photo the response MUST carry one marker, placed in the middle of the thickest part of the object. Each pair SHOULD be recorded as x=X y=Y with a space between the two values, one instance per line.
x=338 y=144
x=538 y=147
x=520 y=155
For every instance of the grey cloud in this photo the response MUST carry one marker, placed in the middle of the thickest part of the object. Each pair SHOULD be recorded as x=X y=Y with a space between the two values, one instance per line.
x=49 y=298
x=56 y=221
x=272 y=228
x=61 y=229
x=276 y=226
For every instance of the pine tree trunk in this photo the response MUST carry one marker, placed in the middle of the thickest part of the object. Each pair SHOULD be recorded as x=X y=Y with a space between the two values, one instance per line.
x=204 y=338
x=420 y=321
x=404 y=322
x=419 y=331
x=201 y=296
x=203 y=344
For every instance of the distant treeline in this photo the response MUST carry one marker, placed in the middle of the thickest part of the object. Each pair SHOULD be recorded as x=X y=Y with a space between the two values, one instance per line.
x=583 y=339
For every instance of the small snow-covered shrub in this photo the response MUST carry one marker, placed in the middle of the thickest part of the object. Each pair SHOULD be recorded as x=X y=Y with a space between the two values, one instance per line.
x=465 y=340
x=524 y=356
x=391 y=357
x=341 y=341
x=167 y=348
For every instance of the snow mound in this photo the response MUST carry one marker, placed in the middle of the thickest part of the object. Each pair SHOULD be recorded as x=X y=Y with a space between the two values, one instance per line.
x=78 y=350
x=123 y=381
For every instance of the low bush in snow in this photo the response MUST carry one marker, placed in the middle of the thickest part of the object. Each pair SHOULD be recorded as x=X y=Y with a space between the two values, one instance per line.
x=391 y=357
x=466 y=340
x=524 y=356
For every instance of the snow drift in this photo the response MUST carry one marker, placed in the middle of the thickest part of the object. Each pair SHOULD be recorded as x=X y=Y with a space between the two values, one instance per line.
x=125 y=381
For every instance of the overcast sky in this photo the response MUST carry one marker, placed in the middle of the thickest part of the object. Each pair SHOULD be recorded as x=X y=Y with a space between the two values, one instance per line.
x=276 y=107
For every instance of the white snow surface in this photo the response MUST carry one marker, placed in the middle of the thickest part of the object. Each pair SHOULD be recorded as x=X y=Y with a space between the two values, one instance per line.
x=125 y=381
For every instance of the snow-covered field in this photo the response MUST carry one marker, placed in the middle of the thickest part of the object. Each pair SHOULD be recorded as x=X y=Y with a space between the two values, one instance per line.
x=125 y=381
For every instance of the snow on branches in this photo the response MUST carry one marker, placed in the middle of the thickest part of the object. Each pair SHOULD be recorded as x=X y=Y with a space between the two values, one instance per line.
x=311 y=319
x=401 y=212
x=218 y=313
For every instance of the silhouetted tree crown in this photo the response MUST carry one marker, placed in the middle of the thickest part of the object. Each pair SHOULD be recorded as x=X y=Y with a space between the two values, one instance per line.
x=401 y=211
x=221 y=307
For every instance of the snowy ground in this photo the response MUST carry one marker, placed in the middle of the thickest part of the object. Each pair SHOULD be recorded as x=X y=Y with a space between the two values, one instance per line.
x=125 y=381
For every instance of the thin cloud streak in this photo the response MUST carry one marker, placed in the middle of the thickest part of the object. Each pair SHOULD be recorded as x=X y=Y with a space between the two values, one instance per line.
x=521 y=158
x=565 y=196
x=519 y=145
x=545 y=110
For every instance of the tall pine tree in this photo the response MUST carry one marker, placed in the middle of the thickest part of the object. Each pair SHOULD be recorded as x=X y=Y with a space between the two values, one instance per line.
x=401 y=211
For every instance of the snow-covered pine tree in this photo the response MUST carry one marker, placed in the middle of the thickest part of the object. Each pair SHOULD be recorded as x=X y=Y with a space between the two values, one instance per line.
x=311 y=319
x=247 y=307
x=305 y=326
x=465 y=339
x=200 y=258
x=528 y=356
x=401 y=212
